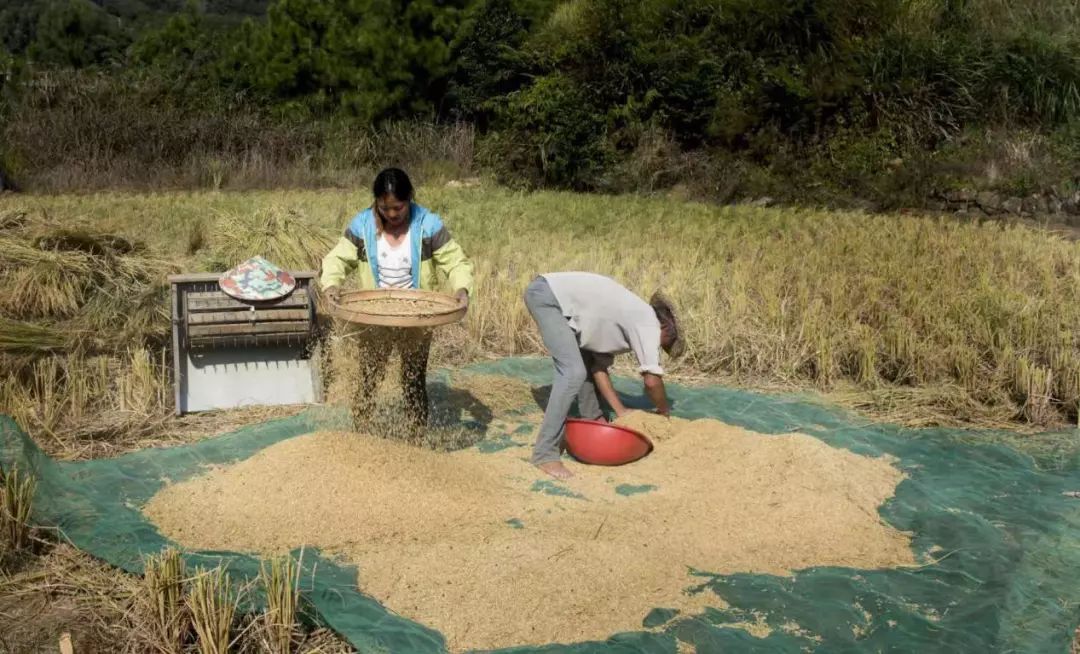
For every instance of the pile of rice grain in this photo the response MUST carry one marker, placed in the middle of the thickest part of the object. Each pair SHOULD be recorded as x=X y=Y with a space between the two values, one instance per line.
x=492 y=553
x=399 y=306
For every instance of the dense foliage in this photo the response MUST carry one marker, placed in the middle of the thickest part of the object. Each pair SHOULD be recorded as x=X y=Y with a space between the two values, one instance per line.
x=573 y=93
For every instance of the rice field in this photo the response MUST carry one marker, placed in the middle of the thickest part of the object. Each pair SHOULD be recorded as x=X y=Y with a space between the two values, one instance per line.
x=920 y=320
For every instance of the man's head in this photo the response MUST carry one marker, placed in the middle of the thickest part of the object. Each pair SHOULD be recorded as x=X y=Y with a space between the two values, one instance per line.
x=671 y=338
x=393 y=194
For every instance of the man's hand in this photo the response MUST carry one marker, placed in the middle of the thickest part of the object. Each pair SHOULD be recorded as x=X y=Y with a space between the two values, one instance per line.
x=607 y=391
x=333 y=294
x=463 y=297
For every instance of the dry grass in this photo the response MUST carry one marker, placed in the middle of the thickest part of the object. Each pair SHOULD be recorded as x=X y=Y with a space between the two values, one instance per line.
x=89 y=399
x=212 y=602
x=796 y=297
x=80 y=130
x=810 y=298
x=16 y=505
x=20 y=338
x=107 y=610
x=41 y=283
x=49 y=273
x=918 y=320
x=280 y=579
x=65 y=590
x=284 y=236
x=167 y=615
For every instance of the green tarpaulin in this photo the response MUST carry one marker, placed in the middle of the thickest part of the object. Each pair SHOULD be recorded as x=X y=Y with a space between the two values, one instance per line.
x=999 y=532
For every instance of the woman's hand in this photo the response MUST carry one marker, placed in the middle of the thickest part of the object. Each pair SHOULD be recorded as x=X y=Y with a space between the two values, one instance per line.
x=463 y=297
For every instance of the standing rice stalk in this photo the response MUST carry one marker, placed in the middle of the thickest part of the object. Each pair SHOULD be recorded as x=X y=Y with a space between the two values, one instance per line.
x=212 y=602
x=16 y=504
x=280 y=578
x=164 y=582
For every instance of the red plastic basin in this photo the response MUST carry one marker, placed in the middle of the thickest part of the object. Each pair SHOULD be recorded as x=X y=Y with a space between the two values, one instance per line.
x=604 y=444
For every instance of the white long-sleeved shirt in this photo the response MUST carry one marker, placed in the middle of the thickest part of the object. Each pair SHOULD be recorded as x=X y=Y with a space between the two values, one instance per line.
x=608 y=318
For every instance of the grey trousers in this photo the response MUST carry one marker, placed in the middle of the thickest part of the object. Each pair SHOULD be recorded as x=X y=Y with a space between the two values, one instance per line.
x=572 y=379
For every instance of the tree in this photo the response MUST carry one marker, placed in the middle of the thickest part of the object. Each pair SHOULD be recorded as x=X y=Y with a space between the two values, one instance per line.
x=184 y=42
x=491 y=61
x=18 y=25
x=78 y=34
x=372 y=58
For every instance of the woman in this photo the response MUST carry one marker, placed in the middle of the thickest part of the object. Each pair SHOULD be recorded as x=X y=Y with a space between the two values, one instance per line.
x=401 y=245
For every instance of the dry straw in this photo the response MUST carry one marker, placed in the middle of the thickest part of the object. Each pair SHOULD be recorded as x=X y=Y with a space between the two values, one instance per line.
x=284 y=236
x=280 y=578
x=18 y=337
x=973 y=323
x=109 y=610
x=164 y=597
x=213 y=605
x=16 y=504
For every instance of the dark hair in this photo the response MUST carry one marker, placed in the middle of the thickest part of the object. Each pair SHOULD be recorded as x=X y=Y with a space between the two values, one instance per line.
x=395 y=182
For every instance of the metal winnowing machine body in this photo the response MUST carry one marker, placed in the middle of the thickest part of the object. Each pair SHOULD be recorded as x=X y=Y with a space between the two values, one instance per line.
x=230 y=353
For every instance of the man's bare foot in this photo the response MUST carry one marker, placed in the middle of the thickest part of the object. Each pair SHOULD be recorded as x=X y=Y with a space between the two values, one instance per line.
x=556 y=469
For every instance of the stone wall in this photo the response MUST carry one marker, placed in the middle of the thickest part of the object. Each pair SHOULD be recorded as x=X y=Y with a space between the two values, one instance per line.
x=978 y=204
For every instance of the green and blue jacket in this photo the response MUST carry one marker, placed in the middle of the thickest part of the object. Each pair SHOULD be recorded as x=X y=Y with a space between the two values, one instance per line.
x=433 y=251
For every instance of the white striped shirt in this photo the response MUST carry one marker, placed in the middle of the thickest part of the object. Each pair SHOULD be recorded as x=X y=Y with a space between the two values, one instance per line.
x=395 y=262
